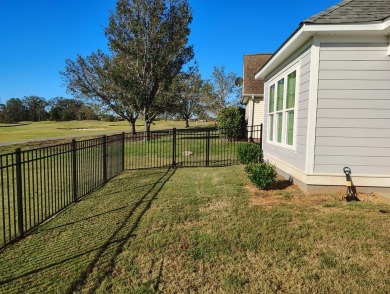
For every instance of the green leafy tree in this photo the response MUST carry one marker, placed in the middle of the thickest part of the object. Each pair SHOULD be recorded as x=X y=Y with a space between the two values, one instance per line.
x=14 y=111
x=148 y=43
x=97 y=78
x=231 y=122
x=149 y=38
x=63 y=109
x=36 y=108
x=2 y=113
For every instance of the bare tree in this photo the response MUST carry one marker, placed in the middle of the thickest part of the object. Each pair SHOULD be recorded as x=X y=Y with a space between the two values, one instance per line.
x=223 y=88
x=189 y=90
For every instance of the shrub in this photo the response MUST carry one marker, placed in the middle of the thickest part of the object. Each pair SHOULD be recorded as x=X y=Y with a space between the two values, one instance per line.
x=248 y=152
x=262 y=175
x=231 y=122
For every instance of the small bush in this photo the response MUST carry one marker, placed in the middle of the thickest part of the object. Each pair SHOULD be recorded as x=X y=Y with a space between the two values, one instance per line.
x=248 y=152
x=231 y=122
x=262 y=175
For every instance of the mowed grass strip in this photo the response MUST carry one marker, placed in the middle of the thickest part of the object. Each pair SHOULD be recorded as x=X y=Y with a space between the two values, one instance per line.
x=204 y=230
x=24 y=131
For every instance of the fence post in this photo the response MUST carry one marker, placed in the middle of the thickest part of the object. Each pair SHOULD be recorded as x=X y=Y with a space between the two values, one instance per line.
x=104 y=159
x=207 y=147
x=261 y=136
x=261 y=142
x=174 y=148
x=74 y=164
x=19 y=191
x=123 y=150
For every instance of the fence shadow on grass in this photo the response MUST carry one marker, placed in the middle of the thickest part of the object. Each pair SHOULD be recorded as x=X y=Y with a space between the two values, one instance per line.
x=93 y=283
x=73 y=253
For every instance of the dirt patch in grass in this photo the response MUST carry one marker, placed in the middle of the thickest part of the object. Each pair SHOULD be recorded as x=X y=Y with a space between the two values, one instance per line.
x=284 y=193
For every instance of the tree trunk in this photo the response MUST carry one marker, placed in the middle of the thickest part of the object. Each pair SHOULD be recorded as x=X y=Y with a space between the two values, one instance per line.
x=133 y=131
x=147 y=129
x=187 y=123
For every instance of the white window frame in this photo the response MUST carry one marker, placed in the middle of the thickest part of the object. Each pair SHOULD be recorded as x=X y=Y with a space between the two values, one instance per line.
x=284 y=111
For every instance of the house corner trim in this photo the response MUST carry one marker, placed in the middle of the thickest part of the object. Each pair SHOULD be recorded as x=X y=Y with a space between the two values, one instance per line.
x=312 y=112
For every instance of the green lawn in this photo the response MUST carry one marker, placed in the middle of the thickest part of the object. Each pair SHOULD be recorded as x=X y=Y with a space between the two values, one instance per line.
x=64 y=132
x=203 y=230
x=50 y=129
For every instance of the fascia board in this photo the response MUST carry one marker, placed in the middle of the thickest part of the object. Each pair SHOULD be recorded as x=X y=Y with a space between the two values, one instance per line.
x=245 y=97
x=280 y=54
x=307 y=31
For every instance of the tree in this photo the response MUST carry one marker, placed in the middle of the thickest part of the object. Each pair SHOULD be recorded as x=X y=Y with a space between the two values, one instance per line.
x=231 y=121
x=62 y=109
x=224 y=90
x=189 y=90
x=98 y=77
x=36 y=108
x=14 y=111
x=149 y=38
x=148 y=44
x=2 y=113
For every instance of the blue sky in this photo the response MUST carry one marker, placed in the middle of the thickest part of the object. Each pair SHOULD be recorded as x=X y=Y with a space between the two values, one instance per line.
x=37 y=36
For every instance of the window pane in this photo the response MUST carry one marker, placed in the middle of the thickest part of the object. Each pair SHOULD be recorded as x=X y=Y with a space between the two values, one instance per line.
x=271 y=98
x=290 y=127
x=279 y=105
x=291 y=81
x=280 y=127
x=271 y=128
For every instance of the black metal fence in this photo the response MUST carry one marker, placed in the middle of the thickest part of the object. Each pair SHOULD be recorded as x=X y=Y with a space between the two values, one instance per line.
x=38 y=183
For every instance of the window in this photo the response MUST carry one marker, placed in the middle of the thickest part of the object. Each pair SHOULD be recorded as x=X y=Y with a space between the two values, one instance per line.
x=282 y=110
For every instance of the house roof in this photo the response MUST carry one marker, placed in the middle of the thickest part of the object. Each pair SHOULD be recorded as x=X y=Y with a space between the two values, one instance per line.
x=353 y=11
x=252 y=63
x=349 y=17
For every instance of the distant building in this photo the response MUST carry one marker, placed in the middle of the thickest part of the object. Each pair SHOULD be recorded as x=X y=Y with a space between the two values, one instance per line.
x=253 y=90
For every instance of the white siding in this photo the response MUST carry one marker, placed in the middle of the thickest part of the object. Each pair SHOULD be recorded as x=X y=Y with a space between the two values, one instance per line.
x=294 y=158
x=247 y=112
x=353 y=117
x=254 y=115
x=258 y=115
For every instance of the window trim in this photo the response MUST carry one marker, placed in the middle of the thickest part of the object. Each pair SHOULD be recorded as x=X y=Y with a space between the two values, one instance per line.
x=274 y=82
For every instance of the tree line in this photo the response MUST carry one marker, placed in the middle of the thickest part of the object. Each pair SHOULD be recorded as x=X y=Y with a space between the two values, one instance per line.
x=34 y=108
x=193 y=97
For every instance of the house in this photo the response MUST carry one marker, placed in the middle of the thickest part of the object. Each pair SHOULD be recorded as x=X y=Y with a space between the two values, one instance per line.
x=252 y=92
x=327 y=99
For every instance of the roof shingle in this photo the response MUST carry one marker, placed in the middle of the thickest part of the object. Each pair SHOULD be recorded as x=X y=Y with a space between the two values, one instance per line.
x=353 y=11
x=252 y=64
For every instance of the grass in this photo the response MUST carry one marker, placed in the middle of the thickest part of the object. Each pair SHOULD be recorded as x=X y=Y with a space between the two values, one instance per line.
x=203 y=231
x=47 y=175
x=49 y=129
